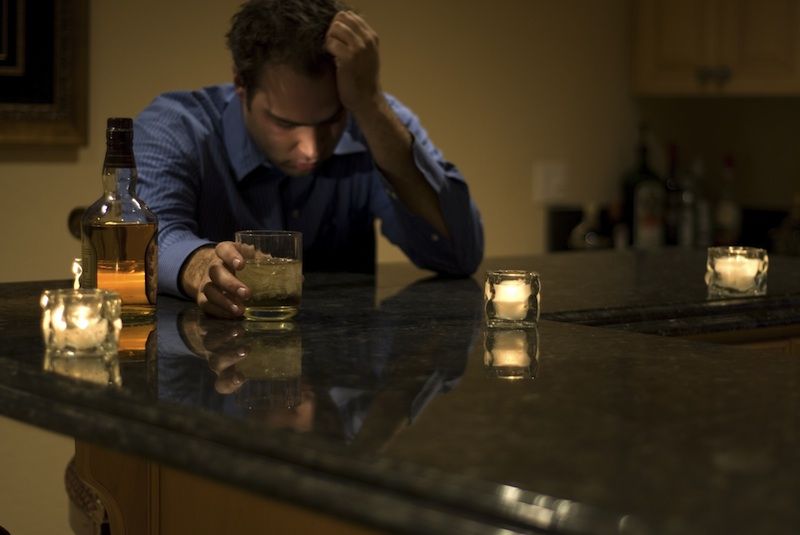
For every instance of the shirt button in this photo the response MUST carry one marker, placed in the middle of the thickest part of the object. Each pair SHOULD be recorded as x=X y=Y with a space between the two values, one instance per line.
x=434 y=237
x=295 y=214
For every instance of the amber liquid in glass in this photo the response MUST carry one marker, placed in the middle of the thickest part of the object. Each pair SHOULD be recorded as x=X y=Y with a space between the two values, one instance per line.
x=126 y=256
x=276 y=285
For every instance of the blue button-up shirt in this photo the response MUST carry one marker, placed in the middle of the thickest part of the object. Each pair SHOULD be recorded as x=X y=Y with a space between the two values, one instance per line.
x=204 y=177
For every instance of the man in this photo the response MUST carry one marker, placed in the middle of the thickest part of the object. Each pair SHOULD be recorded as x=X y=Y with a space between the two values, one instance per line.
x=304 y=139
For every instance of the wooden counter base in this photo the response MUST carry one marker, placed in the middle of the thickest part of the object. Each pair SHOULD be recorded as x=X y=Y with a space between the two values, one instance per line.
x=146 y=498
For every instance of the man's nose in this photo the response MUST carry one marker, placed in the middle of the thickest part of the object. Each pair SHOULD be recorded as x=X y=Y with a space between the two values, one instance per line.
x=308 y=143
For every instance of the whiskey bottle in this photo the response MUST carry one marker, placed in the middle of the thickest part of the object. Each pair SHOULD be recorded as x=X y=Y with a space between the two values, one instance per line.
x=644 y=200
x=118 y=232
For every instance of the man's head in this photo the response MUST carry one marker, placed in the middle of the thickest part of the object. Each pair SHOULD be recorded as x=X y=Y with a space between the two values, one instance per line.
x=287 y=81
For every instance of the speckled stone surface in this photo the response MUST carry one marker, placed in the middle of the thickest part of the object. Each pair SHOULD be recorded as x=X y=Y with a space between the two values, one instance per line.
x=378 y=404
x=657 y=293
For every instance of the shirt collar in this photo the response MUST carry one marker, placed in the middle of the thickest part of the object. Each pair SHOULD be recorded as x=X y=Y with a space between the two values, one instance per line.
x=348 y=144
x=245 y=156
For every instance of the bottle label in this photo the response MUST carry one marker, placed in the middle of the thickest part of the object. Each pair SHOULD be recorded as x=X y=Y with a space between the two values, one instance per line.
x=151 y=269
x=88 y=263
x=649 y=215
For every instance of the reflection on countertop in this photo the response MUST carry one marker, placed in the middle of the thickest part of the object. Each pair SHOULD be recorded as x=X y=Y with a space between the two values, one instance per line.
x=389 y=402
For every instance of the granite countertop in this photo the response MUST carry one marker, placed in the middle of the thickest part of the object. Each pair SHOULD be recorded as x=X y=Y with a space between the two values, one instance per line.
x=378 y=404
x=657 y=293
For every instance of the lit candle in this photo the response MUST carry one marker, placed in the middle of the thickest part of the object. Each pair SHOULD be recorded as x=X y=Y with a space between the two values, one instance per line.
x=511 y=299
x=737 y=272
x=85 y=330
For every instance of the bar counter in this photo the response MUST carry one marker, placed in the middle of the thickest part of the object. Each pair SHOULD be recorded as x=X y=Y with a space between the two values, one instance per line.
x=376 y=407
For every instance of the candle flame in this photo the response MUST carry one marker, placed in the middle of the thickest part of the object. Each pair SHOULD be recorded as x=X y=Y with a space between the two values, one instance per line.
x=77 y=270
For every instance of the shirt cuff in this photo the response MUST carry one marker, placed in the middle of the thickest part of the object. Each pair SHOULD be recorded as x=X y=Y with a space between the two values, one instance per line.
x=170 y=262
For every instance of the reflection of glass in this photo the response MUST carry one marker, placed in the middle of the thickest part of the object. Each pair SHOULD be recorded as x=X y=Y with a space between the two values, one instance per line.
x=98 y=370
x=80 y=323
x=273 y=271
x=736 y=271
x=354 y=373
x=511 y=298
x=511 y=353
x=272 y=366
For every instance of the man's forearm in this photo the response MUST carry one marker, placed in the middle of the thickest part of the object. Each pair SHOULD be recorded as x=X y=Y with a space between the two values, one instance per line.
x=390 y=144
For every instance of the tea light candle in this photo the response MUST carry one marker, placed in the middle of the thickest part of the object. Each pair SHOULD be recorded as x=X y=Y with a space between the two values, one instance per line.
x=737 y=272
x=511 y=299
x=87 y=329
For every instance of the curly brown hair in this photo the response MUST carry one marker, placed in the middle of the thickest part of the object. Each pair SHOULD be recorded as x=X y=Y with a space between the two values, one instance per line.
x=288 y=32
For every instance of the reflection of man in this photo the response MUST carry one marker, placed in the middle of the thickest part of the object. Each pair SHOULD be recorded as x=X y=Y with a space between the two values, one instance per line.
x=364 y=372
x=305 y=140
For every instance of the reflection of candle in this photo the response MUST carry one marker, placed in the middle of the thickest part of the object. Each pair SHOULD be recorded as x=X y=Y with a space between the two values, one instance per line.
x=84 y=330
x=93 y=370
x=511 y=354
x=511 y=299
x=737 y=272
x=509 y=349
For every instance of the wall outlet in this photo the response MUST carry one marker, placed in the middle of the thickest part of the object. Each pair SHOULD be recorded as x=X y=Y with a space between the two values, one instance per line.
x=549 y=181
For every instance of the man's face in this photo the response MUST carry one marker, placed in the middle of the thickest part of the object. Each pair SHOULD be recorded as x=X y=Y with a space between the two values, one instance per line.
x=295 y=119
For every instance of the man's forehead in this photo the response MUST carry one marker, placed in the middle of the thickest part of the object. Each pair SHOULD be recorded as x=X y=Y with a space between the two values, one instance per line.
x=298 y=97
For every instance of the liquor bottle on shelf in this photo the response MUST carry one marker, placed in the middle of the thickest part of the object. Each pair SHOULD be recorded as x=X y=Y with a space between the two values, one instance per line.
x=645 y=200
x=702 y=208
x=727 y=214
x=118 y=232
x=687 y=212
x=786 y=238
x=674 y=199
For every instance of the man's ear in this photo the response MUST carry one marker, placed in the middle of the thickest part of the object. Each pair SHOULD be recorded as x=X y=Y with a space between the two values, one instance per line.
x=238 y=84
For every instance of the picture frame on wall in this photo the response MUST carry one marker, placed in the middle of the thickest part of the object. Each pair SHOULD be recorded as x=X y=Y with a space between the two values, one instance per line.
x=43 y=72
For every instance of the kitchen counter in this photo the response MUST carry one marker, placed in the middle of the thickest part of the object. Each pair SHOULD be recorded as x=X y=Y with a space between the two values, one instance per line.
x=377 y=405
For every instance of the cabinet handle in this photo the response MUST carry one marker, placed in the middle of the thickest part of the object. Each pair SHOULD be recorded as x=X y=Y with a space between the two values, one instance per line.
x=722 y=75
x=704 y=74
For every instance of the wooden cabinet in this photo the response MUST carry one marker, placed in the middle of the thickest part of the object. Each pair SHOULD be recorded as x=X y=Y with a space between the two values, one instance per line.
x=716 y=47
x=142 y=497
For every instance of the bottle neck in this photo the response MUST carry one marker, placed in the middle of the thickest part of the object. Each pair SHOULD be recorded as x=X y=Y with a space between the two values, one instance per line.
x=119 y=182
x=644 y=165
x=119 y=167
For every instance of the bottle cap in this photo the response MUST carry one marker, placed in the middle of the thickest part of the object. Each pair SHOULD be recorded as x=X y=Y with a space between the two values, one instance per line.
x=119 y=123
x=119 y=141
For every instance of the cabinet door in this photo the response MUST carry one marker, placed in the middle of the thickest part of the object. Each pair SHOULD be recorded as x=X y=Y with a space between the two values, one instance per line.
x=759 y=45
x=673 y=46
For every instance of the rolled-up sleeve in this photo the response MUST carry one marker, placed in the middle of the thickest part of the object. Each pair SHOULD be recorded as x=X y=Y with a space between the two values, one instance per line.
x=462 y=252
x=168 y=185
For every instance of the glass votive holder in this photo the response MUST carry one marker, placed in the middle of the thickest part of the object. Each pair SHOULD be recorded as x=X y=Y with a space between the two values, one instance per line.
x=736 y=271
x=80 y=323
x=511 y=353
x=511 y=298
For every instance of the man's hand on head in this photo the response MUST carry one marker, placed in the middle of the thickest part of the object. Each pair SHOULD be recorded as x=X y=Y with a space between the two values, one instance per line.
x=209 y=277
x=354 y=47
